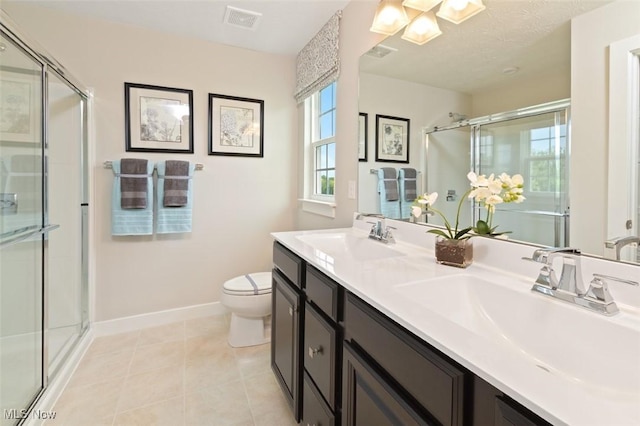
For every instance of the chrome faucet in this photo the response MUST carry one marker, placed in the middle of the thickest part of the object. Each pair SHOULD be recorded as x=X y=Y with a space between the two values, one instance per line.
x=569 y=287
x=615 y=245
x=379 y=231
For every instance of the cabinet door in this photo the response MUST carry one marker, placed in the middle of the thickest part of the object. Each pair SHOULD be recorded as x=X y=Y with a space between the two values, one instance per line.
x=368 y=399
x=285 y=340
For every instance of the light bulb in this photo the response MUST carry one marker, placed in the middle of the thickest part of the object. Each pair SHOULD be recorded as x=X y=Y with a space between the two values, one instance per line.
x=389 y=15
x=458 y=4
x=421 y=26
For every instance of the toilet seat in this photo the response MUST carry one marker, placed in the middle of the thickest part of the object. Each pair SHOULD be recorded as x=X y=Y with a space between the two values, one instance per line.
x=249 y=285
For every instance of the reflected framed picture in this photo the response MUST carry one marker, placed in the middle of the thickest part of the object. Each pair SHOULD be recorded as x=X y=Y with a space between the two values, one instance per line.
x=158 y=119
x=363 y=136
x=20 y=108
x=236 y=126
x=392 y=139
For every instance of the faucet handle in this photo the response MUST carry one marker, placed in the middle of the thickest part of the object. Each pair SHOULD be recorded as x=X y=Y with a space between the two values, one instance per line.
x=599 y=289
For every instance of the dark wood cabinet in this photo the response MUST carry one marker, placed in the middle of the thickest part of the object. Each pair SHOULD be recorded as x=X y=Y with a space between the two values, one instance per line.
x=430 y=381
x=316 y=412
x=368 y=399
x=286 y=334
x=341 y=361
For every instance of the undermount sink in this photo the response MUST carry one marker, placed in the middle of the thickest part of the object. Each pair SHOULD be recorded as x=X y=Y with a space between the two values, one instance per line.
x=563 y=340
x=345 y=244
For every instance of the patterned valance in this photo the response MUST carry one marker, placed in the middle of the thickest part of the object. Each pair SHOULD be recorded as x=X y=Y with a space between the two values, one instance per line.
x=318 y=63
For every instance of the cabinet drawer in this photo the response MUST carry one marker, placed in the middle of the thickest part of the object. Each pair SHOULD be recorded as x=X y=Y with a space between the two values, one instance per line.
x=315 y=410
x=432 y=381
x=288 y=263
x=368 y=399
x=320 y=353
x=323 y=292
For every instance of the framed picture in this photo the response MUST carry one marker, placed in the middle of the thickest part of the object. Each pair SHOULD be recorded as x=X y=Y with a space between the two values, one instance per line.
x=236 y=126
x=363 y=136
x=20 y=107
x=158 y=119
x=392 y=139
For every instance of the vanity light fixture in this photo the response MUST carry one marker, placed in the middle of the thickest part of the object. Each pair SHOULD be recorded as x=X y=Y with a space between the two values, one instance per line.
x=422 y=29
x=390 y=17
x=458 y=11
x=423 y=5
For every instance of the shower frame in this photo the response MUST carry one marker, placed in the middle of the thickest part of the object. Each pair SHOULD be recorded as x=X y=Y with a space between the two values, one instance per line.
x=50 y=66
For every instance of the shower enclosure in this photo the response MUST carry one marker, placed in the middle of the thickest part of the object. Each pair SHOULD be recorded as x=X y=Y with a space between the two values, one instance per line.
x=533 y=142
x=43 y=220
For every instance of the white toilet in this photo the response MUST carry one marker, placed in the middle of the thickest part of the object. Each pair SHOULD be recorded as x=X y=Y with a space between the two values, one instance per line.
x=248 y=297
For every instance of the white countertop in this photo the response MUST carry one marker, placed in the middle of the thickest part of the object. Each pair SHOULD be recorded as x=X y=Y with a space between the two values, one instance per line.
x=558 y=398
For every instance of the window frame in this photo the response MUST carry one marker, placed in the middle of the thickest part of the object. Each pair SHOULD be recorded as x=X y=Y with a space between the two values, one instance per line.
x=313 y=142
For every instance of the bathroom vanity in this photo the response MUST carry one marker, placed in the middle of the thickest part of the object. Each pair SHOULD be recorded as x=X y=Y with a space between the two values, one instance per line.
x=365 y=333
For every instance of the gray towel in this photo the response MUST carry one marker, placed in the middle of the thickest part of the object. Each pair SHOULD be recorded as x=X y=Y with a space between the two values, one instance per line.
x=133 y=183
x=410 y=190
x=176 y=183
x=390 y=180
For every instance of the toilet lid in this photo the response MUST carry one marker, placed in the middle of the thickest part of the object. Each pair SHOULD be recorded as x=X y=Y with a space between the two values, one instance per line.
x=250 y=284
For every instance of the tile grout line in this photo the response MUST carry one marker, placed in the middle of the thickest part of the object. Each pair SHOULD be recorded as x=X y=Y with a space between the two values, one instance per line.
x=126 y=379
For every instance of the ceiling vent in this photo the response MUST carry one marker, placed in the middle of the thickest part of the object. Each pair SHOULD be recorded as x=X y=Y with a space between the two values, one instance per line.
x=242 y=18
x=380 y=51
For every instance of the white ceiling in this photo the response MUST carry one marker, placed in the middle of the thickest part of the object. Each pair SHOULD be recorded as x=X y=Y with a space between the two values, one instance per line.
x=284 y=28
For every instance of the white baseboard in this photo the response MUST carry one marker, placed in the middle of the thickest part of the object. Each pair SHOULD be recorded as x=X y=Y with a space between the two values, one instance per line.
x=154 y=319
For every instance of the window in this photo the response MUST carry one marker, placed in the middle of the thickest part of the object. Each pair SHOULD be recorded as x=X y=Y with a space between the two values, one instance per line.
x=320 y=130
x=547 y=159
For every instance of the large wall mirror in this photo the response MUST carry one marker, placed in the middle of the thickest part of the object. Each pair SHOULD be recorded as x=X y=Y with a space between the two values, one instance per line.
x=511 y=61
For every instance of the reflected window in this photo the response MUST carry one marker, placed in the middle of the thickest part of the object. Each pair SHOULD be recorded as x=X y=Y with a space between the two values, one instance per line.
x=546 y=163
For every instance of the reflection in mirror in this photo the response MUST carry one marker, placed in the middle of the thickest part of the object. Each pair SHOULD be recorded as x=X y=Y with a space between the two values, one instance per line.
x=532 y=142
x=513 y=57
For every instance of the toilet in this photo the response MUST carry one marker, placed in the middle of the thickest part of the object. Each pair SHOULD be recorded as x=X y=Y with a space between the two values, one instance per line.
x=248 y=297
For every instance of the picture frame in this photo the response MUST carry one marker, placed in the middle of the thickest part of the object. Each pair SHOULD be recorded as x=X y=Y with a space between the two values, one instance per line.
x=236 y=126
x=363 y=136
x=20 y=107
x=392 y=139
x=158 y=119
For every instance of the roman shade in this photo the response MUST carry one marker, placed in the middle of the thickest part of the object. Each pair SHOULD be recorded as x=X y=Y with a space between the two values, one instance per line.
x=318 y=63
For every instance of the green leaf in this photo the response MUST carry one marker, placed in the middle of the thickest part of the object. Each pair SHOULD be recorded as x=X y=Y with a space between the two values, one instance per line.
x=482 y=228
x=462 y=232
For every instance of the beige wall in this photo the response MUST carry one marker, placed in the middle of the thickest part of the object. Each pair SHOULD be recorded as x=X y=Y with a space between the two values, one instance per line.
x=591 y=35
x=237 y=201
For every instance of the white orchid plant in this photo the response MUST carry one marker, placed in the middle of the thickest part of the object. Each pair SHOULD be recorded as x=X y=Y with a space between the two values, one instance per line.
x=488 y=191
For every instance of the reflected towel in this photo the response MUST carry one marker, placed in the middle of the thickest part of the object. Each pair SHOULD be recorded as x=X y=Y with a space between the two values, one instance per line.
x=388 y=190
x=408 y=187
x=174 y=219
x=131 y=221
x=407 y=178
x=176 y=183
x=133 y=183
x=389 y=178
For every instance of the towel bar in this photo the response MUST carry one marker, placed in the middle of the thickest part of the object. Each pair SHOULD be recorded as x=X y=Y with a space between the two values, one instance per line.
x=375 y=171
x=109 y=165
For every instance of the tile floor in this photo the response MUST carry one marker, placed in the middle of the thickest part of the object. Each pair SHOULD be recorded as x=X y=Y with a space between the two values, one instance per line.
x=183 y=373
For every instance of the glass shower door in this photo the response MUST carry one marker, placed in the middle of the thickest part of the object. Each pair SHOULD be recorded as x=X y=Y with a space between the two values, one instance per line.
x=537 y=147
x=22 y=232
x=66 y=289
